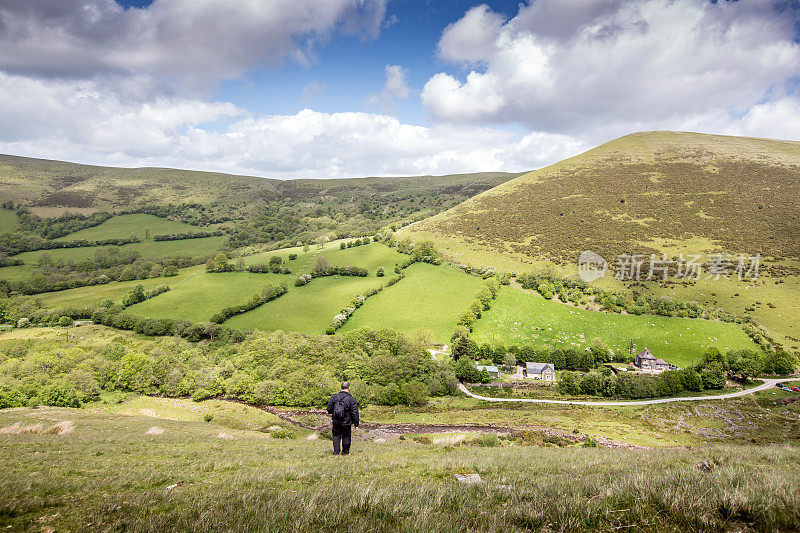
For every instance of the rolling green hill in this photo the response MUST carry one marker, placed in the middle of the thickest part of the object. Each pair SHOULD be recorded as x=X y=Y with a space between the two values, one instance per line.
x=49 y=187
x=637 y=192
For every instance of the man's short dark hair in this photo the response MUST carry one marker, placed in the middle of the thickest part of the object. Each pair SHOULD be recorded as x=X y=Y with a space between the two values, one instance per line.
x=346 y=385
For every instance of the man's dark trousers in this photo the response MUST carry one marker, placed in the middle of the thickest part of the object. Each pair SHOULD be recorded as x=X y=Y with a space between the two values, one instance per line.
x=341 y=433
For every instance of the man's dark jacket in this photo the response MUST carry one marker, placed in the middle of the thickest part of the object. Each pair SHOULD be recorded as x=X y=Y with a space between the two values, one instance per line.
x=350 y=408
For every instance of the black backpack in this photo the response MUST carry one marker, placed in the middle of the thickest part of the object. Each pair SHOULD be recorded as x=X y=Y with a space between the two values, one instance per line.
x=339 y=410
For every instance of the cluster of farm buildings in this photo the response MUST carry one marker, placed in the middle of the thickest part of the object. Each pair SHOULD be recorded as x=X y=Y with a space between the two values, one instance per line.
x=644 y=362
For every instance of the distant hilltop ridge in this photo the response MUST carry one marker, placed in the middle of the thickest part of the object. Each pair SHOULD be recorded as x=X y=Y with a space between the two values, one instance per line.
x=632 y=194
x=51 y=187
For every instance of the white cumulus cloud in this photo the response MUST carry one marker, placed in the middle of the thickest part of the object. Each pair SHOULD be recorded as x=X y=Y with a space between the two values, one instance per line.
x=579 y=67
x=471 y=39
x=395 y=88
x=79 y=121
x=194 y=43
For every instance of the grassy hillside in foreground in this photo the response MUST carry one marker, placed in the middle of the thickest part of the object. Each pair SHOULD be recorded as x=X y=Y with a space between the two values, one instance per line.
x=190 y=475
x=519 y=318
x=429 y=297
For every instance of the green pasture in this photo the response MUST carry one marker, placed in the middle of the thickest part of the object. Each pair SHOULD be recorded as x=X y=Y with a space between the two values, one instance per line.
x=8 y=220
x=369 y=256
x=91 y=296
x=123 y=226
x=148 y=249
x=199 y=295
x=429 y=297
x=307 y=309
x=776 y=306
x=16 y=273
x=520 y=318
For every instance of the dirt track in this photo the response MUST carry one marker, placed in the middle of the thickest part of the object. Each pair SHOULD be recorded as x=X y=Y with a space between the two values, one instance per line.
x=768 y=384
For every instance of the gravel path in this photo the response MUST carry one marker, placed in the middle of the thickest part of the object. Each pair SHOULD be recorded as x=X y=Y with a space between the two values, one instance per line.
x=768 y=383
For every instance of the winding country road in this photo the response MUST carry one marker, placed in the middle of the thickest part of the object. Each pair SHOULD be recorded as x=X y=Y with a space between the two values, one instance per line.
x=768 y=383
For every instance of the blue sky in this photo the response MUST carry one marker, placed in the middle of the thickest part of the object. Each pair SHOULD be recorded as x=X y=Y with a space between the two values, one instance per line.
x=349 y=69
x=341 y=88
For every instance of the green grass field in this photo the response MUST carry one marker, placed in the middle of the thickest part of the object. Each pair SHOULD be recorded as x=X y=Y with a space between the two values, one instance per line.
x=93 y=295
x=306 y=309
x=139 y=224
x=776 y=306
x=429 y=297
x=8 y=220
x=148 y=249
x=140 y=473
x=520 y=318
x=369 y=256
x=197 y=296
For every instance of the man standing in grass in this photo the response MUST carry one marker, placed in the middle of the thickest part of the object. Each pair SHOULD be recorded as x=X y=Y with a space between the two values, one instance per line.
x=343 y=409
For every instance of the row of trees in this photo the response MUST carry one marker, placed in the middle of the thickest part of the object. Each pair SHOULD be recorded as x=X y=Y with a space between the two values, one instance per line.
x=356 y=242
x=562 y=357
x=54 y=227
x=347 y=311
x=324 y=268
x=748 y=363
x=10 y=261
x=187 y=235
x=159 y=327
x=138 y=295
x=577 y=291
x=267 y=294
x=275 y=266
x=632 y=386
x=481 y=303
x=106 y=266
x=15 y=243
x=710 y=372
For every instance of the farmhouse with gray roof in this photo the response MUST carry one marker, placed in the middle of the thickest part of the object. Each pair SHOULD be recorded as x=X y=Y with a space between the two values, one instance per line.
x=543 y=371
x=647 y=362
